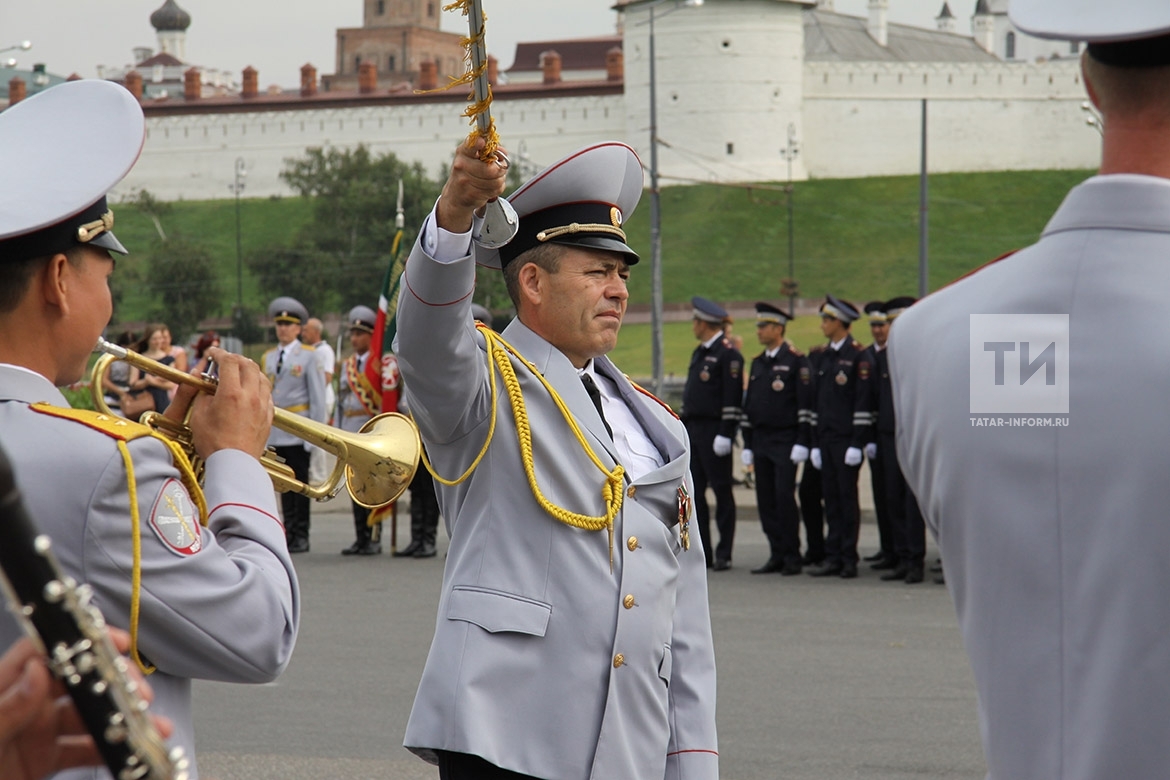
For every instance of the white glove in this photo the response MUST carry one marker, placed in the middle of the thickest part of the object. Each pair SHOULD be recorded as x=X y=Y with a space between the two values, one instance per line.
x=745 y=457
x=799 y=453
x=871 y=450
x=814 y=457
x=852 y=457
x=722 y=446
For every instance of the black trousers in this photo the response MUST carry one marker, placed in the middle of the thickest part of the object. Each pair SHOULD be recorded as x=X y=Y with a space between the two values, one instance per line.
x=911 y=536
x=841 y=509
x=424 y=507
x=461 y=766
x=294 y=506
x=361 y=522
x=887 y=532
x=707 y=470
x=776 y=491
x=812 y=512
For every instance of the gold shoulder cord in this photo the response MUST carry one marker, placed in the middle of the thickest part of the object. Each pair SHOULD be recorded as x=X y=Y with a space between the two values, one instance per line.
x=187 y=476
x=498 y=351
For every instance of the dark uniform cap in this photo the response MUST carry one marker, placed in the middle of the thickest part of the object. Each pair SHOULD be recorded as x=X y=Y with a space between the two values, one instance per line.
x=285 y=309
x=708 y=311
x=481 y=314
x=582 y=200
x=896 y=306
x=877 y=312
x=1124 y=33
x=61 y=151
x=766 y=312
x=839 y=310
x=361 y=318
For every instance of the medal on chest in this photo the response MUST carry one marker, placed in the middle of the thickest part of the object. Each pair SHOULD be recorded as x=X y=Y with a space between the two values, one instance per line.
x=841 y=379
x=704 y=375
x=777 y=384
x=684 y=516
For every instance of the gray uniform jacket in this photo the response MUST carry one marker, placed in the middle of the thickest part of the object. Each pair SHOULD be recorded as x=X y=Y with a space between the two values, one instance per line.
x=1054 y=539
x=524 y=669
x=299 y=388
x=352 y=414
x=222 y=607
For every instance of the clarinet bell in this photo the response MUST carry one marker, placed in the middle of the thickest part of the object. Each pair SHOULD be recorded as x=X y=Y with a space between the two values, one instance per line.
x=500 y=224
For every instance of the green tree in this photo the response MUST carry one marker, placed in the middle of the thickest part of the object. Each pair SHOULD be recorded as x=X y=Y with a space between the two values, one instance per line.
x=354 y=197
x=304 y=272
x=184 y=285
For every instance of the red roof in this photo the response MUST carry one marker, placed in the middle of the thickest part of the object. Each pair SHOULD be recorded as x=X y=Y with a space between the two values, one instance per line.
x=162 y=58
x=576 y=54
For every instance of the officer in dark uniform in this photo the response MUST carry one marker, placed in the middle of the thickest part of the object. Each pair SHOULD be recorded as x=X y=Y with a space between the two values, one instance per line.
x=905 y=517
x=885 y=557
x=711 y=411
x=841 y=426
x=776 y=435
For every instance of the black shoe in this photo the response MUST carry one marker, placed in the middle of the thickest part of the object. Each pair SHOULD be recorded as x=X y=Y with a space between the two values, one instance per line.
x=914 y=574
x=812 y=560
x=848 y=571
x=425 y=550
x=409 y=550
x=370 y=548
x=826 y=569
x=721 y=564
x=885 y=563
x=353 y=549
x=298 y=545
x=790 y=569
x=896 y=573
x=772 y=565
x=877 y=556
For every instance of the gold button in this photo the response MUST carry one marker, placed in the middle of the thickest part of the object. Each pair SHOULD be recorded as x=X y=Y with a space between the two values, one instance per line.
x=628 y=601
x=618 y=660
x=632 y=490
x=632 y=543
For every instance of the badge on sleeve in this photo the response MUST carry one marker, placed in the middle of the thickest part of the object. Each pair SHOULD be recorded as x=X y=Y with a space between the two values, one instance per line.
x=175 y=520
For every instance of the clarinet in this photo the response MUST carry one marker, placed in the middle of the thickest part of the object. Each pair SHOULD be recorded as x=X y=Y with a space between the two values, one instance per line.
x=57 y=613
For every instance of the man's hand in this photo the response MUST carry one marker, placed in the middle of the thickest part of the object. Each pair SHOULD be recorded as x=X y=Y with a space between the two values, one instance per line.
x=238 y=416
x=799 y=453
x=471 y=184
x=722 y=446
x=853 y=456
x=746 y=458
x=40 y=731
x=814 y=458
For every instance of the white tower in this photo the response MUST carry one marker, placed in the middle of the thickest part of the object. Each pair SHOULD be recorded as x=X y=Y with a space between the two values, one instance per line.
x=171 y=23
x=729 y=81
x=945 y=19
x=983 y=27
x=877 y=25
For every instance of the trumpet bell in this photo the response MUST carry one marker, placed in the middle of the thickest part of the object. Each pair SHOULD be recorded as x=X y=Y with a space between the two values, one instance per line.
x=382 y=471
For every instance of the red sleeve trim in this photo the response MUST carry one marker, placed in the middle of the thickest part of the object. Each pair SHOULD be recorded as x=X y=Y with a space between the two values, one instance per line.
x=430 y=303
x=681 y=752
x=246 y=506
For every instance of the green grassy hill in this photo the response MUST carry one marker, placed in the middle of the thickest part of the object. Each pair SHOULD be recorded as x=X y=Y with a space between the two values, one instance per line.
x=855 y=237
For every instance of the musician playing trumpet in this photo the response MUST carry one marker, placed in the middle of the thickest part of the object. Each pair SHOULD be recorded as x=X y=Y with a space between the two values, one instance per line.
x=199 y=575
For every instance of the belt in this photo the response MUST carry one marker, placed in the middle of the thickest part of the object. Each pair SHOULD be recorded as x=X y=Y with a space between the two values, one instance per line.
x=297 y=409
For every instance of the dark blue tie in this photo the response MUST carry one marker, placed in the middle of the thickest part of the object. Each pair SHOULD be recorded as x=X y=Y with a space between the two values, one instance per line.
x=595 y=397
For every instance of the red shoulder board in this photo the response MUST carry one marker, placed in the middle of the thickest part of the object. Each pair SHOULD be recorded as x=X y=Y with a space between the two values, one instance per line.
x=795 y=350
x=655 y=398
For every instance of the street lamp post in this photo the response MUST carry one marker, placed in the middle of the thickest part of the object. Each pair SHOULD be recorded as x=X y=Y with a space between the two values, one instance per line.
x=237 y=187
x=23 y=46
x=789 y=154
x=658 y=345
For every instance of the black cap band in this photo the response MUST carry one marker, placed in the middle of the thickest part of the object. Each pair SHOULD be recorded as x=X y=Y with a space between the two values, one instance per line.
x=57 y=238
x=1140 y=53
x=592 y=225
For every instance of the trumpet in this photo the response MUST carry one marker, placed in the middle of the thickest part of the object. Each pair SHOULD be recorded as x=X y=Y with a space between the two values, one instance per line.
x=376 y=464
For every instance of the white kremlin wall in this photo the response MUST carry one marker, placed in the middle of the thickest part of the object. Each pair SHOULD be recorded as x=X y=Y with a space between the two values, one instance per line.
x=729 y=83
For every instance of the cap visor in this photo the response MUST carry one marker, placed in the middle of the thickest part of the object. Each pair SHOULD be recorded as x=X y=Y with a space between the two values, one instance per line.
x=107 y=240
x=603 y=243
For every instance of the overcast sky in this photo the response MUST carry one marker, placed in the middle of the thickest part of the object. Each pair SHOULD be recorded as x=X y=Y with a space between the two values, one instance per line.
x=277 y=38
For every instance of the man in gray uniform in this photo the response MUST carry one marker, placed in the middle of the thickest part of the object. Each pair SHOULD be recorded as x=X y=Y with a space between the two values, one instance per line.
x=573 y=638
x=1031 y=425
x=181 y=567
x=357 y=403
x=298 y=386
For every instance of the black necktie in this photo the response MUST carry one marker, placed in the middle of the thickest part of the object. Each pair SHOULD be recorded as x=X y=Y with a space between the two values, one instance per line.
x=595 y=397
x=280 y=360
